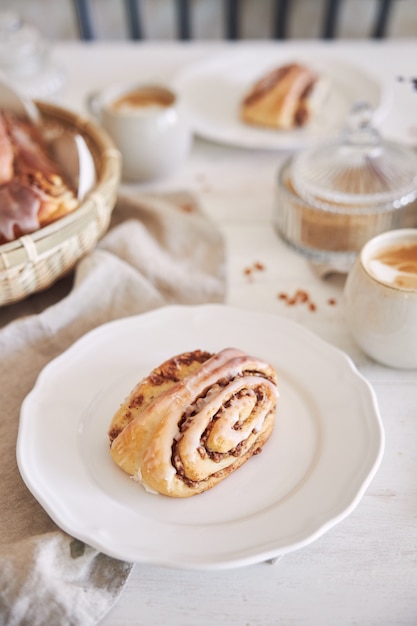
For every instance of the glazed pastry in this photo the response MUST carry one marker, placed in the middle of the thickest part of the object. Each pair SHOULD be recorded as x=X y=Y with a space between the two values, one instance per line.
x=33 y=191
x=285 y=98
x=194 y=420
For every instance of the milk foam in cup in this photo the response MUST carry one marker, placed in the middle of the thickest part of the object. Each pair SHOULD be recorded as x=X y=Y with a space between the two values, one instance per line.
x=147 y=124
x=396 y=265
x=381 y=298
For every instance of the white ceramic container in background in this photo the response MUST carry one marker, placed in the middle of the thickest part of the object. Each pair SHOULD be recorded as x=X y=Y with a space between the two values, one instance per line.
x=147 y=123
x=381 y=300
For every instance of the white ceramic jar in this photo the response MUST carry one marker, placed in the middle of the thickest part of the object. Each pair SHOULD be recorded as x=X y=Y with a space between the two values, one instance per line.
x=381 y=298
x=147 y=124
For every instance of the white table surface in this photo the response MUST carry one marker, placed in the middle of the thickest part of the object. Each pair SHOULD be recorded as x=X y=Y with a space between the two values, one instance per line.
x=364 y=570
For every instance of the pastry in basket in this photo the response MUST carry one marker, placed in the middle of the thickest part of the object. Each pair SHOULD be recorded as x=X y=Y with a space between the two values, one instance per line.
x=285 y=98
x=194 y=420
x=33 y=190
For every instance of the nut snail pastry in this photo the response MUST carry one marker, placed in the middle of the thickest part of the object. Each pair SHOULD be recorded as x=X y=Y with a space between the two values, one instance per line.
x=33 y=189
x=194 y=420
x=285 y=98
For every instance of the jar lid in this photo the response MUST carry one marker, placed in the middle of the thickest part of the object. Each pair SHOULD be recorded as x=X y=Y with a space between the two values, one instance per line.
x=357 y=170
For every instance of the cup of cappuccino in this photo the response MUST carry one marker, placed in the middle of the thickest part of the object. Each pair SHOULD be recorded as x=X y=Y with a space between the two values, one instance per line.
x=147 y=124
x=381 y=298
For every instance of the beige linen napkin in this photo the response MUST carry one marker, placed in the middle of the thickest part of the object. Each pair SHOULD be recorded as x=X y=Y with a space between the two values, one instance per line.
x=159 y=250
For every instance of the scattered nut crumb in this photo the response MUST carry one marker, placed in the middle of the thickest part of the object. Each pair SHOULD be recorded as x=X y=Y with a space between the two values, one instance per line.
x=187 y=207
x=300 y=296
x=256 y=266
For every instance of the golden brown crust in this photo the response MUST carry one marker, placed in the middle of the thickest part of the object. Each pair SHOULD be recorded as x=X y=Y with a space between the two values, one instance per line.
x=194 y=420
x=159 y=381
x=281 y=98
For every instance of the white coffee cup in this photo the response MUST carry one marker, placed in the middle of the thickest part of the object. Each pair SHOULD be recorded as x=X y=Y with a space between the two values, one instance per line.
x=147 y=124
x=381 y=298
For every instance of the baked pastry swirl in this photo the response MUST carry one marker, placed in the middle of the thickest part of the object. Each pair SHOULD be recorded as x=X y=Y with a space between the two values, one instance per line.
x=194 y=420
x=33 y=189
x=285 y=98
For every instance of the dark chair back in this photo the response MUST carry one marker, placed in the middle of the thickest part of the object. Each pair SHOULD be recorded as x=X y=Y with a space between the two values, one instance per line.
x=280 y=19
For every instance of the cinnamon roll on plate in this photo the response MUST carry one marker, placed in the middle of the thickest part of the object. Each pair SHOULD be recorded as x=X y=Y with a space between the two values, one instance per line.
x=194 y=420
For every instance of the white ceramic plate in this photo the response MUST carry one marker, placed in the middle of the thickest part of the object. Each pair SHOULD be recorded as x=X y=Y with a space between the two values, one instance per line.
x=325 y=448
x=213 y=89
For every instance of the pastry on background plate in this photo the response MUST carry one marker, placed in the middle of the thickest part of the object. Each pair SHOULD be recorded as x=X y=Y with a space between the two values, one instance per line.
x=33 y=189
x=285 y=98
x=194 y=420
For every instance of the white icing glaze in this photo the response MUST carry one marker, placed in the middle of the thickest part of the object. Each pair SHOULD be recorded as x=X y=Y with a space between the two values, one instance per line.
x=228 y=364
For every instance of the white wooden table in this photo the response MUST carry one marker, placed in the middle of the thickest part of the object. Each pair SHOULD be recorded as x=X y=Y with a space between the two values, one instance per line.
x=364 y=570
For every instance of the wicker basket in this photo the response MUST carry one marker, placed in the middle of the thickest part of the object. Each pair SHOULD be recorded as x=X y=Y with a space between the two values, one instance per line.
x=36 y=261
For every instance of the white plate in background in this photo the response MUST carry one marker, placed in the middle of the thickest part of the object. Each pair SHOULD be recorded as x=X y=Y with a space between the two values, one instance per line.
x=212 y=90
